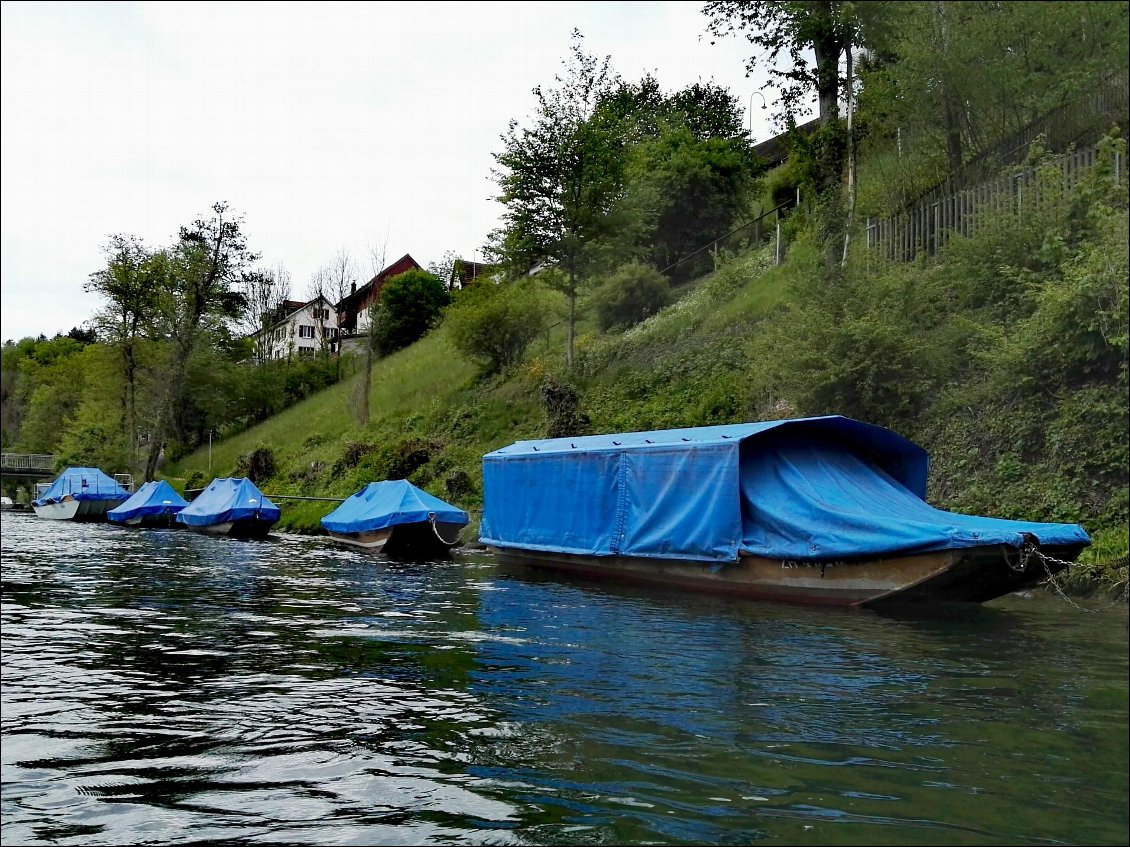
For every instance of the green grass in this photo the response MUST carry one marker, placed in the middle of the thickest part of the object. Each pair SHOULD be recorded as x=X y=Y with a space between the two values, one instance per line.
x=433 y=416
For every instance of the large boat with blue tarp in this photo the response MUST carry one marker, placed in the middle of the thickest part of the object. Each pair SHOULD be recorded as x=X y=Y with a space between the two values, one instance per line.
x=825 y=510
x=398 y=519
x=231 y=506
x=155 y=504
x=80 y=494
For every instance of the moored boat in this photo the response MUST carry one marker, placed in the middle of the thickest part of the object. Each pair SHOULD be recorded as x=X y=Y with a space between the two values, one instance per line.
x=79 y=494
x=155 y=504
x=396 y=518
x=231 y=506
x=822 y=510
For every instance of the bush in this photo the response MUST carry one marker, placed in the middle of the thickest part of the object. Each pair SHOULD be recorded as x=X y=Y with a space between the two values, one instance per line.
x=631 y=294
x=494 y=324
x=410 y=305
x=258 y=465
x=354 y=452
x=563 y=414
x=195 y=481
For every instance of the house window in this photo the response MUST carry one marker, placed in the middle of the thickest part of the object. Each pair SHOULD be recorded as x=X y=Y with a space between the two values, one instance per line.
x=306 y=352
x=305 y=331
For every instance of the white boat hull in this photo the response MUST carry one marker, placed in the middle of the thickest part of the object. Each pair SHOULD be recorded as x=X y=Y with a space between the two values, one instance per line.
x=372 y=541
x=69 y=509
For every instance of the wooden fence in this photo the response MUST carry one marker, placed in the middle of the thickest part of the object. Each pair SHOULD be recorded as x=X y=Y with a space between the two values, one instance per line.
x=929 y=224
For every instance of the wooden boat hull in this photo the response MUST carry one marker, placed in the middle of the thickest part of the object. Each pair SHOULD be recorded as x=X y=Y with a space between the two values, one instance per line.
x=242 y=528
x=70 y=509
x=412 y=540
x=973 y=575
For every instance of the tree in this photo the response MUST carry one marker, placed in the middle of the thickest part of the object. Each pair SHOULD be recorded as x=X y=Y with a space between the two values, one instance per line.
x=410 y=305
x=559 y=178
x=335 y=279
x=494 y=324
x=791 y=27
x=444 y=268
x=955 y=79
x=378 y=258
x=333 y=282
x=694 y=188
x=210 y=258
x=688 y=170
x=633 y=293
x=131 y=285
x=265 y=292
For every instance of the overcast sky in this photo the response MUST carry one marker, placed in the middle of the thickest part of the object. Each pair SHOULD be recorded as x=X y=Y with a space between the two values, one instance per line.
x=327 y=126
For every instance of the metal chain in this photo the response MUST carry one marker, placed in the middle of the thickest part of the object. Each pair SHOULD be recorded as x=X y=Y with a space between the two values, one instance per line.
x=435 y=529
x=1029 y=551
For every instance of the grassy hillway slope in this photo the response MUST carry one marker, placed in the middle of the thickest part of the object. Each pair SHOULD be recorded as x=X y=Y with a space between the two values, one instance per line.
x=927 y=350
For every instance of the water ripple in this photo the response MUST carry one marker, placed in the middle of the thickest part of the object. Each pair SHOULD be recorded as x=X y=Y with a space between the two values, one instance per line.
x=167 y=687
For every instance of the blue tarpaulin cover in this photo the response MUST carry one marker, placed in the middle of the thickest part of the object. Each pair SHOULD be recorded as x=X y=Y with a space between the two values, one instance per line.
x=82 y=484
x=390 y=503
x=807 y=489
x=227 y=500
x=153 y=498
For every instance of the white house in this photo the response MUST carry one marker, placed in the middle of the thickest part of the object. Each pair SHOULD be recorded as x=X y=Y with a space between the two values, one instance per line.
x=299 y=329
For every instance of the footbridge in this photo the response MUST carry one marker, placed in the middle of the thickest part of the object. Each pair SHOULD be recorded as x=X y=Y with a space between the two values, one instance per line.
x=27 y=465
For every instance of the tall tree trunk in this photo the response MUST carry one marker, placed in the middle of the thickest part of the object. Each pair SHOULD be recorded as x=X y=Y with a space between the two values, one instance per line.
x=826 y=48
x=367 y=376
x=131 y=405
x=572 y=317
x=850 y=158
x=955 y=154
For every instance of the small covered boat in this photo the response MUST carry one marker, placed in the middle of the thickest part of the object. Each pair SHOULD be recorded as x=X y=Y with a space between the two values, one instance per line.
x=155 y=504
x=80 y=494
x=234 y=507
x=396 y=518
x=823 y=510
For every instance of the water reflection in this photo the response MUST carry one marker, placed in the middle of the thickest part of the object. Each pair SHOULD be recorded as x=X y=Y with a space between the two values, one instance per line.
x=164 y=686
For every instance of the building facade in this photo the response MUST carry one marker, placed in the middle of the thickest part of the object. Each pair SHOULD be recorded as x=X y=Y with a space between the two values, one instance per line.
x=300 y=330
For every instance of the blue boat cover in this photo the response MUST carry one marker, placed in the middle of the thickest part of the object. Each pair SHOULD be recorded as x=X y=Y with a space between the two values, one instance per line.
x=390 y=503
x=82 y=484
x=153 y=498
x=806 y=489
x=227 y=500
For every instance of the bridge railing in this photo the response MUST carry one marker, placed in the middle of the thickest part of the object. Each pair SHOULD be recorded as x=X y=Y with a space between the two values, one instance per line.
x=27 y=461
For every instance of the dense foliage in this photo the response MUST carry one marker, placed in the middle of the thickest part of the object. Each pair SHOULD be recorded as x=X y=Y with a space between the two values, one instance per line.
x=494 y=324
x=631 y=294
x=410 y=305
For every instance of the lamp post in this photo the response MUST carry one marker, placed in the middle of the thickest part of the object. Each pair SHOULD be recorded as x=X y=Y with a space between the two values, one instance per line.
x=749 y=111
x=209 y=452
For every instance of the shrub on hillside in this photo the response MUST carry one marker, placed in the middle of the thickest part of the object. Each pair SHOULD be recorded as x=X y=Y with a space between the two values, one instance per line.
x=258 y=465
x=195 y=481
x=410 y=305
x=494 y=324
x=631 y=294
x=563 y=414
x=354 y=452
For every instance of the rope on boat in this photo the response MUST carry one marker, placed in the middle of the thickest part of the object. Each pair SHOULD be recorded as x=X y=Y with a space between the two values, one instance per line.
x=435 y=529
x=1030 y=551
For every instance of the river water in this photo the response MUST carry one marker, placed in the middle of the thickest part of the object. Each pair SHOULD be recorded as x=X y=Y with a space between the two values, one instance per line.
x=164 y=687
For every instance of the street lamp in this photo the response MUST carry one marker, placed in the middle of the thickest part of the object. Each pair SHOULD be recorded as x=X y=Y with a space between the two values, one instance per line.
x=749 y=111
x=210 y=452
